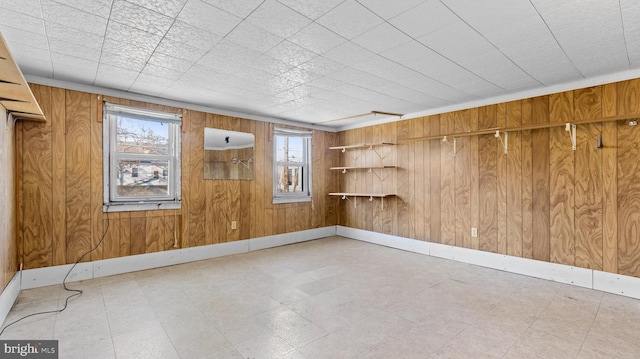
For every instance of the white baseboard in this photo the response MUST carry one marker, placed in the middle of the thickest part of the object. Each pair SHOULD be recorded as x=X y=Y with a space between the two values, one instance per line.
x=40 y=277
x=582 y=277
x=9 y=296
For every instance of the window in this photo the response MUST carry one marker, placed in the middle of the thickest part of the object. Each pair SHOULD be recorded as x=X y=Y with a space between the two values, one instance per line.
x=291 y=166
x=141 y=159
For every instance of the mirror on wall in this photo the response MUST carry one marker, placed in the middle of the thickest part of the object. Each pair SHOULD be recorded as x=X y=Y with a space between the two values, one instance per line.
x=228 y=154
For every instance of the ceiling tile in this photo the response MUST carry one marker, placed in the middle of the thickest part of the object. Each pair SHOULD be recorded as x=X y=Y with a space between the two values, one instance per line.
x=312 y=9
x=163 y=72
x=17 y=36
x=169 y=8
x=350 y=19
x=381 y=38
x=78 y=37
x=131 y=60
x=631 y=12
x=468 y=43
x=207 y=17
x=572 y=25
x=192 y=36
x=424 y=18
x=321 y=66
x=114 y=77
x=348 y=54
x=241 y=9
x=317 y=38
x=291 y=53
x=170 y=62
x=28 y=7
x=278 y=19
x=179 y=50
x=131 y=36
x=492 y=15
x=139 y=17
x=232 y=52
x=66 y=15
x=100 y=8
x=253 y=37
x=37 y=66
x=388 y=9
x=71 y=49
x=270 y=64
x=149 y=84
x=22 y=21
x=69 y=68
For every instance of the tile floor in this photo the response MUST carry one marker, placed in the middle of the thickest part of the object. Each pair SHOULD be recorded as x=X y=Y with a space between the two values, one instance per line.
x=330 y=298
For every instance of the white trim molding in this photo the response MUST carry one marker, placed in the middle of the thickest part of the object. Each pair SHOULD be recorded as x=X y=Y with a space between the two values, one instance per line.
x=582 y=277
x=40 y=277
x=9 y=296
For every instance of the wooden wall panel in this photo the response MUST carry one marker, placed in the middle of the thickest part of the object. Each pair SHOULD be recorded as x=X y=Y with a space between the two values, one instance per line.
x=36 y=175
x=562 y=249
x=59 y=167
x=487 y=182
x=609 y=181
x=197 y=204
x=540 y=180
x=628 y=181
x=421 y=182
x=527 y=180
x=435 y=226
x=501 y=169
x=462 y=179
x=404 y=192
x=514 y=181
x=8 y=233
x=447 y=183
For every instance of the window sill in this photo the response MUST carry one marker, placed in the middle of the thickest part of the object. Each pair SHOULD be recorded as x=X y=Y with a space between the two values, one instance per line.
x=146 y=206
x=278 y=200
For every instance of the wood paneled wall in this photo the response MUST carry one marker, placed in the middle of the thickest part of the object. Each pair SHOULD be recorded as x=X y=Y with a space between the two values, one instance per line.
x=61 y=189
x=541 y=200
x=8 y=249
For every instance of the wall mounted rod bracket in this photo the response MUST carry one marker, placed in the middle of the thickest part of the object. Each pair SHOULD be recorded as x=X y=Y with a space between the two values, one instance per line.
x=571 y=128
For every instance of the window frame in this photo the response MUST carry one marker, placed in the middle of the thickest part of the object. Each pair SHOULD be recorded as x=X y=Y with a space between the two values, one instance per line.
x=113 y=202
x=307 y=182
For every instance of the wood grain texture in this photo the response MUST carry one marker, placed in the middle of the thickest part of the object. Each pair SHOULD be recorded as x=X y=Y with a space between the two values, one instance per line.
x=540 y=166
x=628 y=198
x=185 y=145
x=421 y=182
x=527 y=180
x=462 y=180
x=435 y=174
x=514 y=181
x=588 y=198
x=59 y=167
x=37 y=186
x=610 y=197
x=405 y=194
x=447 y=183
x=197 y=204
x=487 y=183
x=628 y=97
x=561 y=182
x=501 y=169
x=97 y=196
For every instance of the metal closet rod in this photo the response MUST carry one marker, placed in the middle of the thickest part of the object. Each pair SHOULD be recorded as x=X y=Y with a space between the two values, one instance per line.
x=493 y=130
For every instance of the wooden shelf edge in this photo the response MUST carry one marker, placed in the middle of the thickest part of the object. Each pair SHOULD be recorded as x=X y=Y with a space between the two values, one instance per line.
x=489 y=131
x=362 y=168
x=364 y=145
x=377 y=195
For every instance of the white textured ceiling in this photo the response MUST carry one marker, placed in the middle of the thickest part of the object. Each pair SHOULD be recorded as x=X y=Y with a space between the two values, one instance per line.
x=314 y=61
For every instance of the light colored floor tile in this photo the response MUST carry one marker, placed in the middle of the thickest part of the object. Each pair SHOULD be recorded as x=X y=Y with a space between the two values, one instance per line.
x=329 y=298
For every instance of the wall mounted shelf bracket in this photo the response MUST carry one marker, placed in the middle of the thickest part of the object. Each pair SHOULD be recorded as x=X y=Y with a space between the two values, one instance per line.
x=571 y=128
x=505 y=142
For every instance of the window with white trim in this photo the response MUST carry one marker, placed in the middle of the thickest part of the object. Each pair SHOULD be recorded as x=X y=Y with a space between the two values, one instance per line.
x=141 y=159
x=291 y=166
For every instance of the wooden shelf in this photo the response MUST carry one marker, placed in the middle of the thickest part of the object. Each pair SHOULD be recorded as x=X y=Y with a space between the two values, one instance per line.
x=362 y=168
x=15 y=94
x=354 y=194
x=364 y=145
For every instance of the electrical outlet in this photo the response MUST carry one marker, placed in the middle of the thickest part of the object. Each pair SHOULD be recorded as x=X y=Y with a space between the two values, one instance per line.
x=474 y=232
x=234 y=225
